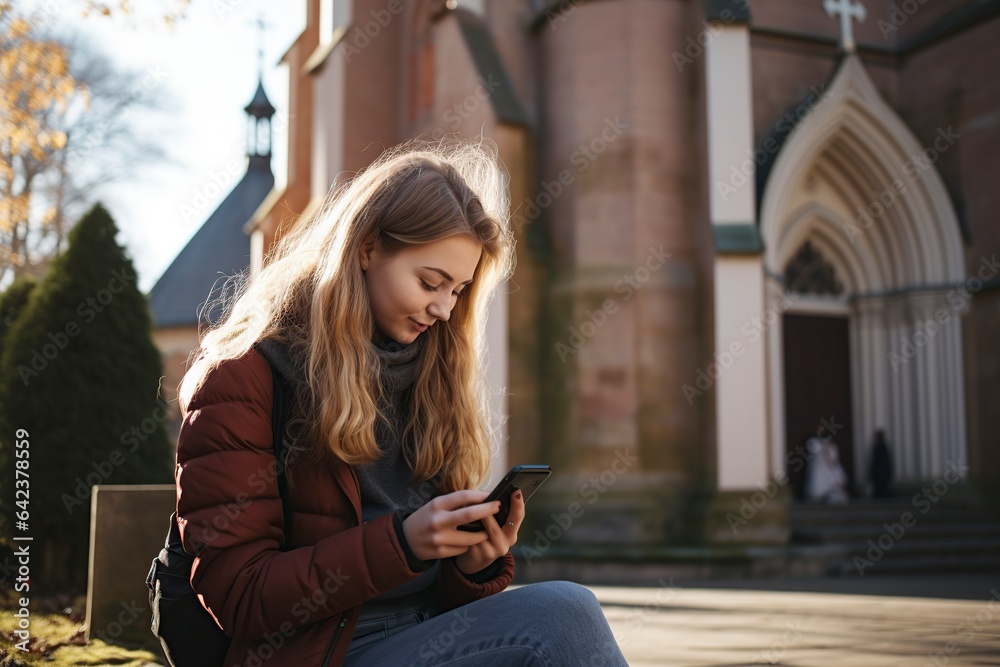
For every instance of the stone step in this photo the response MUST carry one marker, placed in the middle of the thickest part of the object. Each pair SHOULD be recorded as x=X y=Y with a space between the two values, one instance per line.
x=930 y=565
x=798 y=514
x=905 y=547
x=955 y=534
x=635 y=564
x=914 y=519
x=843 y=532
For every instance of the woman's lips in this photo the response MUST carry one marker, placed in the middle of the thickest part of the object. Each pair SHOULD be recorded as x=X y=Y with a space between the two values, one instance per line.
x=418 y=326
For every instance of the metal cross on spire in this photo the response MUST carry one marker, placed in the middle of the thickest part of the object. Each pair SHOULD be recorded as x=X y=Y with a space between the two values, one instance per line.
x=847 y=10
x=261 y=28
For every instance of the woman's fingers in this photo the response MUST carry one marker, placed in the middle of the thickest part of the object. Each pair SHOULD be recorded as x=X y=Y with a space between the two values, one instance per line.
x=461 y=507
x=458 y=499
x=473 y=512
x=504 y=536
x=492 y=528
x=448 y=552
x=452 y=542
x=456 y=549
x=516 y=515
x=464 y=538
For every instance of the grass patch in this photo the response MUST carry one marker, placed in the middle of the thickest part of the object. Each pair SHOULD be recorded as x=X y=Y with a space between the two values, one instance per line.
x=57 y=641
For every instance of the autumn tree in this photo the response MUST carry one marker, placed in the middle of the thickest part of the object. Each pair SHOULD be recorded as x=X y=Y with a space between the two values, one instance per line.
x=35 y=80
x=64 y=129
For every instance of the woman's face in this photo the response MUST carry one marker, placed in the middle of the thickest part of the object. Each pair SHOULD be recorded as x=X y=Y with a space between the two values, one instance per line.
x=418 y=285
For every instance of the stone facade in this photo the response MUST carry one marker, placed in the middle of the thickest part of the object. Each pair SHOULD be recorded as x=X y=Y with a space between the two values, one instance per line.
x=600 y=110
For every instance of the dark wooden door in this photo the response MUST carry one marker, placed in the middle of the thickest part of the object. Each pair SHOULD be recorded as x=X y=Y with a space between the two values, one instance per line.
x=817 y=391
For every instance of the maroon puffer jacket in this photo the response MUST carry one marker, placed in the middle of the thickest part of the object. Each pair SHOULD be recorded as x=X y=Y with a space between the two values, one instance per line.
x=293 y=607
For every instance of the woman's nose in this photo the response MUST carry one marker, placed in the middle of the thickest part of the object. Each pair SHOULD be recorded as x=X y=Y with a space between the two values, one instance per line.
x=440 y=308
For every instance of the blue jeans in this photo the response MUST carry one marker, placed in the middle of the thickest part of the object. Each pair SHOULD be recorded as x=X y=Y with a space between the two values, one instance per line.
x=545 y=624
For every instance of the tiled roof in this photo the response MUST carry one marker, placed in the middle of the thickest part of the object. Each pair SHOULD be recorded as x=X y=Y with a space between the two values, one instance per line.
x=219 y=248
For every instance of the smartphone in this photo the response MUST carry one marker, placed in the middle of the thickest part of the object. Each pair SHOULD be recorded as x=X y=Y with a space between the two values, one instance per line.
x=527 y=478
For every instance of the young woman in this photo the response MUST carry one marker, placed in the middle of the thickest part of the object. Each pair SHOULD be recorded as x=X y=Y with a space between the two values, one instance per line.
x=372 y=310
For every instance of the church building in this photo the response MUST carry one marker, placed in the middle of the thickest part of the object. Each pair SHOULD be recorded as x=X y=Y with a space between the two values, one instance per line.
x=741 y=225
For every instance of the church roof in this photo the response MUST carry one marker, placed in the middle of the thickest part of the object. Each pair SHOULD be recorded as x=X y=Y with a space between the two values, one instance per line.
x=260 y=106
x=505 y=102
x=220 y=247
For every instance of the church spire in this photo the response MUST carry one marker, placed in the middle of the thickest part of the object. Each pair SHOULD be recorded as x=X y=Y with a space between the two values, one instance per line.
x=260 y=110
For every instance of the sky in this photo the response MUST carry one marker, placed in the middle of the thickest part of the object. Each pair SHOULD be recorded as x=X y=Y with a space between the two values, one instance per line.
x=208 y=66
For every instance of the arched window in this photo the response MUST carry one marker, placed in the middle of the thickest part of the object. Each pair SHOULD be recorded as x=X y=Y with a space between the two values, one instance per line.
x=808 y=272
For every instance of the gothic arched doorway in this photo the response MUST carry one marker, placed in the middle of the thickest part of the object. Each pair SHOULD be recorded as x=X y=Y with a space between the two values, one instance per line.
x=845 y=186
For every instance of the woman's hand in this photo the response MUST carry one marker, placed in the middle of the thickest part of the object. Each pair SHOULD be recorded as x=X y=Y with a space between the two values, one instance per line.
x=499 y=540
x=432 y=531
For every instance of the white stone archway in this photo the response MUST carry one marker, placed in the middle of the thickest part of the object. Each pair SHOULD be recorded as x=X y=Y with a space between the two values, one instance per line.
x=853 y=180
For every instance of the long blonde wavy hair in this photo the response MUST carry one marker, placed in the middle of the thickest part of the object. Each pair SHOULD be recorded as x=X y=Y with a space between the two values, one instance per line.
x=311 y=296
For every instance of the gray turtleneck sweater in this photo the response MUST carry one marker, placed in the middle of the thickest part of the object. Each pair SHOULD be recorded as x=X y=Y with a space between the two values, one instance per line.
x=385 y=484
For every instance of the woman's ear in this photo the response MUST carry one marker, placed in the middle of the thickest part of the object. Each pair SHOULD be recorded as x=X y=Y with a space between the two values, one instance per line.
x=365 y=255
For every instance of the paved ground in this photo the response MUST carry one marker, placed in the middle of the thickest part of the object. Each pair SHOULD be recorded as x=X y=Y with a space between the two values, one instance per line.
x=878 y=623
x=912 y=621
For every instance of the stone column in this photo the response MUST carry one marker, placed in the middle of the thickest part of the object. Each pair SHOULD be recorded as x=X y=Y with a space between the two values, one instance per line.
x=622 y=301
x=924 y=388
x=748 y=505
x=931 y=349
x=955 y=398
x=870 y=382
x=894 y=318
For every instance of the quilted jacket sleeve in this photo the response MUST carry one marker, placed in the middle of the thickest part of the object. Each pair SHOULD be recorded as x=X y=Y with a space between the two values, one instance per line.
x=230 y=517
x=456 y=588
